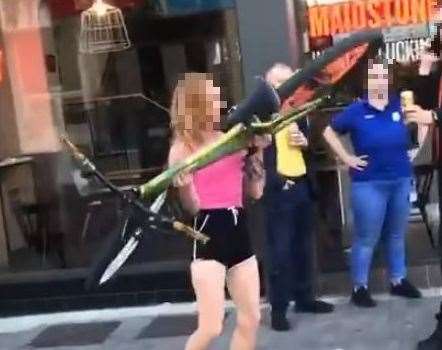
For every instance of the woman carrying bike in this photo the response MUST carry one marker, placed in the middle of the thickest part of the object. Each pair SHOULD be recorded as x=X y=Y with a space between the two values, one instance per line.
x=214 y=196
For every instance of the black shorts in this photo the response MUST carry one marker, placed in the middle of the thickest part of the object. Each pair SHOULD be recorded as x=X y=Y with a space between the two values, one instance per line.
x=229 y=241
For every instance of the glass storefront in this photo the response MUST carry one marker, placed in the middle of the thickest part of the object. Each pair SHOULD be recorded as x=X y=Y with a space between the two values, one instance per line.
x=60 y=76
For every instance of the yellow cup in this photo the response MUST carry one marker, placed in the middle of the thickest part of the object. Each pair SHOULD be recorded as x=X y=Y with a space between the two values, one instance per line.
x=407 y=98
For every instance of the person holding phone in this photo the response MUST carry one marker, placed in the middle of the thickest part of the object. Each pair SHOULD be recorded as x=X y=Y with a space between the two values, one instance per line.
x=429 y=113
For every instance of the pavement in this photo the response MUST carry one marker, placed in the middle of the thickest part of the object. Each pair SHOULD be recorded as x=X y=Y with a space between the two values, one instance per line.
x=396 y=324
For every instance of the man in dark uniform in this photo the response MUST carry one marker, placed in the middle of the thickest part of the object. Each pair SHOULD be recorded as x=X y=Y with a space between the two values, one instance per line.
x=430 y=78
x=289 y=208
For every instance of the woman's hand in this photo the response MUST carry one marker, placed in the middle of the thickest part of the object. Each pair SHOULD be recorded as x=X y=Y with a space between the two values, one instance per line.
x=416 y=114
x=352 y=161
x=183 y=179
x=254 y=166
x=187 y=193
x=427 y=59
x=296 y=137
x=261 y=141
x=355 y=162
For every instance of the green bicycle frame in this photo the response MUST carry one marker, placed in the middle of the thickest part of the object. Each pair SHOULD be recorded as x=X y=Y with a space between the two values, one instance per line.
x=235 y=139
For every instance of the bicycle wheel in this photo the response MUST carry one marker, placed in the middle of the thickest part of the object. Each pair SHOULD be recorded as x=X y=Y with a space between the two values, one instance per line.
x=117 y=251
x=121 y=245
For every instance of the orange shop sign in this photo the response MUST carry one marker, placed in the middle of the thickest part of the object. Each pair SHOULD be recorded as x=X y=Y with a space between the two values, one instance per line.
x=349 y=16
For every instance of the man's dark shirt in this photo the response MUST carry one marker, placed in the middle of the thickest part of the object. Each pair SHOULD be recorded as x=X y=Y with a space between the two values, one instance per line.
x=426 y=89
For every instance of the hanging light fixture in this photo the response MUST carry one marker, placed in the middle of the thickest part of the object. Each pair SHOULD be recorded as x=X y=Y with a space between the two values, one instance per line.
x=103 y=29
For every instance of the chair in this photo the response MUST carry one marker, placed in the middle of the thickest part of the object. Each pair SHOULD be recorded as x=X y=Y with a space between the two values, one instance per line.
x=33 y=221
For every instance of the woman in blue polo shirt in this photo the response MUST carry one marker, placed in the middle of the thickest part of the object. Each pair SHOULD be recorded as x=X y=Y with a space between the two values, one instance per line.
x=381 y=173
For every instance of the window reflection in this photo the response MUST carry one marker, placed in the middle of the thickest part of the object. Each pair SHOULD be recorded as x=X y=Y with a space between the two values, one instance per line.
x=112 y=105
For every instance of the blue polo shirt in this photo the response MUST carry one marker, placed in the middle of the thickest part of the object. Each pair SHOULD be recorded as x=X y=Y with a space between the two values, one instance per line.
x=381 y=135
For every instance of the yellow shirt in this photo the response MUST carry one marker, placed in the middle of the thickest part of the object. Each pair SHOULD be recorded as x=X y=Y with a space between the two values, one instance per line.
x=289 y=160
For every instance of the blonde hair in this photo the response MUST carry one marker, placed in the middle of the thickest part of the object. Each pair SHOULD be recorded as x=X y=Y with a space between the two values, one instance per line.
x=189 y=103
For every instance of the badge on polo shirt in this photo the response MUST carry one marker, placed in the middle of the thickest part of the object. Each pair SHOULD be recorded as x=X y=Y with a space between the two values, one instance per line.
x=369 y=116
x=396 y=116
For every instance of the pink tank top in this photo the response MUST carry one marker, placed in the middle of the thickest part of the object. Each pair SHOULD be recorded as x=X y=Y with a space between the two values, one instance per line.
x=219 y=185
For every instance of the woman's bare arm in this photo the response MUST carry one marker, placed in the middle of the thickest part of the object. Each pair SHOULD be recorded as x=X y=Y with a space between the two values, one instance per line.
x=184 y=181
x=352 y=161
x=255 y=174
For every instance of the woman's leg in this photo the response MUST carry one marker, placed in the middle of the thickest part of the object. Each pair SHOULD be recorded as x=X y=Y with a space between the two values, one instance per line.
x=369 y=200
x=243 y=285
x=395 y=226
x=208 y=279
